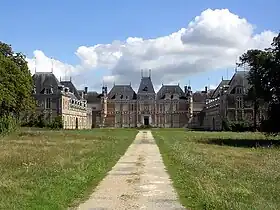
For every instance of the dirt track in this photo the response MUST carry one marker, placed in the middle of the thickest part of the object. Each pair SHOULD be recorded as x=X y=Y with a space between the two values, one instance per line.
x=137 y=181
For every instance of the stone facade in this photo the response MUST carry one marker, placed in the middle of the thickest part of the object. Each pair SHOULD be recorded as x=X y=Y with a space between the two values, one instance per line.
x=60 y=98
x=226 y=102
x=170 y=107
x=123 y=107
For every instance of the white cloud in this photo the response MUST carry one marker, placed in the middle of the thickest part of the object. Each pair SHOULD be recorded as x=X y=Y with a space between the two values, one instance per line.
x=212 y=40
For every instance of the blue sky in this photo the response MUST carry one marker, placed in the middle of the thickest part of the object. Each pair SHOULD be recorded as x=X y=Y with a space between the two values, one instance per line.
x=58 y=28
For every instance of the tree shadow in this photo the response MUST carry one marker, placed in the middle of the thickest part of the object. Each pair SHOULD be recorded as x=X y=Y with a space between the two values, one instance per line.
x=246 y=143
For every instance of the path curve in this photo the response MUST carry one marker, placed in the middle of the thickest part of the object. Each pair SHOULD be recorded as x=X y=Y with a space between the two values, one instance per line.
x=138 y=181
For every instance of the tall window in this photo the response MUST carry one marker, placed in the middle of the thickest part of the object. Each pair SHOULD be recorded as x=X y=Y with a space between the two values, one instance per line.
x=238 y=90
x=239 y=102
x=48 y=103
x=48 y=91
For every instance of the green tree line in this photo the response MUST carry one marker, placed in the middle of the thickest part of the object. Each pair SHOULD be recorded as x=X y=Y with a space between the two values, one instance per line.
x=15 y=87
x=264 y=80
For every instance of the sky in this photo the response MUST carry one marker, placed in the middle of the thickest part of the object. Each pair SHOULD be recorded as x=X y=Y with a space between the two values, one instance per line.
x=108 y=42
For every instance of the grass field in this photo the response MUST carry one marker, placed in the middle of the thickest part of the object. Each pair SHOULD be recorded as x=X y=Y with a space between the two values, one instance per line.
x=222 y=170
x=56 y=169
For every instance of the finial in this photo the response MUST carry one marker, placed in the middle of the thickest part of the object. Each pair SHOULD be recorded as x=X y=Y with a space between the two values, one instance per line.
x=70 y=78
x=35 y=64
x=52 y=65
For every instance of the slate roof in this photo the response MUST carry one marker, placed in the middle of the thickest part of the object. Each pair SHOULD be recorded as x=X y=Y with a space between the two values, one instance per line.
x=199 y=96
x=72 y=88
x=92 y=97
x=216 y=91
x=243 y=75
x=170 y=89
x=43 y=80
x=146 y=86
x=124 y=91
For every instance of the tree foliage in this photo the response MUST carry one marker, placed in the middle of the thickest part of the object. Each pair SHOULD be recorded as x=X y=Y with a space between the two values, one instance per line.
x=264 y=79
x=15 y=83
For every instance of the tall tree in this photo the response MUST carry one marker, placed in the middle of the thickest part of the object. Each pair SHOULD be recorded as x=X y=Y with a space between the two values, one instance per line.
x=264 y=78
x=257 y=60
x=15 y=82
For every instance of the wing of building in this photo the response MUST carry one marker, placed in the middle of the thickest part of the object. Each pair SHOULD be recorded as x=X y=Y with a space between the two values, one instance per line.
x=60 y=98
x=226 y=103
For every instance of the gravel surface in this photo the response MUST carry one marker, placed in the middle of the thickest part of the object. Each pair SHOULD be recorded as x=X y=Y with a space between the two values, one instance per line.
x=138 y=181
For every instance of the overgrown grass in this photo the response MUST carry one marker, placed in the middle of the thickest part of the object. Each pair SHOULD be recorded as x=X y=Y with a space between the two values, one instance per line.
x=43 y=169
x=219 y=170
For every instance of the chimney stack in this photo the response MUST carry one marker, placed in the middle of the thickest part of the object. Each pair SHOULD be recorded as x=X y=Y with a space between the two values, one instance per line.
x=86 y=90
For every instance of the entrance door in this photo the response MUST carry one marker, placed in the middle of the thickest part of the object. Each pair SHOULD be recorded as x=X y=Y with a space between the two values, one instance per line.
x=77 y=123
x=146 y=120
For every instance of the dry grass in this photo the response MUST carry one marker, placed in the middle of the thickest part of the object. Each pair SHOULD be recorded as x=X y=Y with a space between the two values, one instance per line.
x=212 y=170
x=56 y=169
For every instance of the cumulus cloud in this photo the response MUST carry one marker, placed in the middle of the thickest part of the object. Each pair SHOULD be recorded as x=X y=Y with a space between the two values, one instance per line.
x=211 y=41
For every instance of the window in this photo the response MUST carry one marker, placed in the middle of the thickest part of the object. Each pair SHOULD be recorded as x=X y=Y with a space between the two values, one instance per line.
x=174 y=107
x=239 y=102
x=238 y=90
x=48 y=91
x=48 y=103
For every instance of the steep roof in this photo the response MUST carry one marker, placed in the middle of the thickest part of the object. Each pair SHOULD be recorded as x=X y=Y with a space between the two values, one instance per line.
x=45 y=79
x=124 y=91
x=216 y=91
x=72 y=88
x=92 y=97
x=146 y=86
x=243 y=75
x=169 y=89
x=199 y=96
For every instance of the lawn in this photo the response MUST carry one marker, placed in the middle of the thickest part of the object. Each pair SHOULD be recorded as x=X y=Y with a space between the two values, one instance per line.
x=219 y=170
x=43 y=169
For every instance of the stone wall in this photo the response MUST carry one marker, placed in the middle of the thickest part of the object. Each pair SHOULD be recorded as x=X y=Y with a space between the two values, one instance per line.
x=74 y=116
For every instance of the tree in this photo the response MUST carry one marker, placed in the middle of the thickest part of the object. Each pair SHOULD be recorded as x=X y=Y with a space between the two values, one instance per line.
x=15 y=83
x=257 y=60
x=264 y=79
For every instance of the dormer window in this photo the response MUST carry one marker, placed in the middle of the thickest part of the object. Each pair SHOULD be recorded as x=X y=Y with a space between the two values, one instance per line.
x=145 y=88
x=48 y=91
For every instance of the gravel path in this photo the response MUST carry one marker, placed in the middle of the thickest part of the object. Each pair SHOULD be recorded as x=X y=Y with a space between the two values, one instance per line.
x=137 y=181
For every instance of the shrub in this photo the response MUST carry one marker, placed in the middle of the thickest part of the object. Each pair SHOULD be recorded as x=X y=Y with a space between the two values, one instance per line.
x=56 y=123
x=39 y=121
x=145 y=127
x=271 y=125
x=239 y=126
x=226 y=126
x=7 y=124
